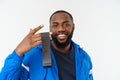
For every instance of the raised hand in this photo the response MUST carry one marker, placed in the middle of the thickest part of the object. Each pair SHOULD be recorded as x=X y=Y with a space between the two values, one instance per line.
x=30 y=41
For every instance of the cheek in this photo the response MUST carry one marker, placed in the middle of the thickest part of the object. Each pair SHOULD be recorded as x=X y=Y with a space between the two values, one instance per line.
x=53 y=31
x=69 y=30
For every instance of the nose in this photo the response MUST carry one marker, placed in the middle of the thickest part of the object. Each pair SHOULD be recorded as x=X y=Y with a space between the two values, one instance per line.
x=61 y=28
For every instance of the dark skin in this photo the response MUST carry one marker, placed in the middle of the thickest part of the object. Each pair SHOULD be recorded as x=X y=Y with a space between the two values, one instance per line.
x=30 y=41
x=61 y=26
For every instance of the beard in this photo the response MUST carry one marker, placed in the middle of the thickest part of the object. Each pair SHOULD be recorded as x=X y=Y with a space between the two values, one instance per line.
x=62 y=44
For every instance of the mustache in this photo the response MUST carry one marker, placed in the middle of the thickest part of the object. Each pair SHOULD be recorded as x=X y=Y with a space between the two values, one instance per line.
x=63 y=44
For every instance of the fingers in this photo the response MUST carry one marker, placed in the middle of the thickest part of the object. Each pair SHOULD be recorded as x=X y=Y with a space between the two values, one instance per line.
x=33 y=31
x=37 y=35
x=50 y=35
x=36 y=39
x=36 y=43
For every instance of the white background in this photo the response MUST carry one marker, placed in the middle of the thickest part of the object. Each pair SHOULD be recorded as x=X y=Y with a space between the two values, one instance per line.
x=97 y=28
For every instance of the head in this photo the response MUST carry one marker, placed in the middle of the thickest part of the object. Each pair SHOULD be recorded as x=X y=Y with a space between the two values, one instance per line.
x=62 y=27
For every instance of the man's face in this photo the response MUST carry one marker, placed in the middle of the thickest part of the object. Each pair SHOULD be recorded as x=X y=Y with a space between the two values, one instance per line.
x=62 y=28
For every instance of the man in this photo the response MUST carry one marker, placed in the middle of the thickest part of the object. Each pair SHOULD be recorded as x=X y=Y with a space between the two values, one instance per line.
x=69 y=61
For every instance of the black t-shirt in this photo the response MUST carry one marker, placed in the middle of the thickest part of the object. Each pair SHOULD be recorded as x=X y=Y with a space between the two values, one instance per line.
x=66 y=64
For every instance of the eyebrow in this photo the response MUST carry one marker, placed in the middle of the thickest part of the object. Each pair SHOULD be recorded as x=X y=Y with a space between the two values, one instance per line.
x=66 y=21
x=57 y=22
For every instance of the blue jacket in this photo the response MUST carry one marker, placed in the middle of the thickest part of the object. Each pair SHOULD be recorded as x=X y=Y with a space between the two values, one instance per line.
x=30 y=66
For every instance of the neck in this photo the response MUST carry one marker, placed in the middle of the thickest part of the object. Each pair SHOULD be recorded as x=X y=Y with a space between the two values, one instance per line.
x=63 y=50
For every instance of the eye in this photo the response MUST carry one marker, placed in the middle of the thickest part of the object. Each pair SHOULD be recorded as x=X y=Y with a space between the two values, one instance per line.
x=66 y=24
x=54 y=25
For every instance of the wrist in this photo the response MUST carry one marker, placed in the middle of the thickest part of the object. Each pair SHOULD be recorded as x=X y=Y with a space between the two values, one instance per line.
x=19 y=52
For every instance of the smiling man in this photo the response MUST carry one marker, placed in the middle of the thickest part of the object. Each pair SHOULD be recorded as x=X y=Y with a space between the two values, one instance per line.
x=69 y=61
x=62 y=27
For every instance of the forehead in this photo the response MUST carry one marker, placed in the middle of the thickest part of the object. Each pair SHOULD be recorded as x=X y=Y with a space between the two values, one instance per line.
x=60 y=17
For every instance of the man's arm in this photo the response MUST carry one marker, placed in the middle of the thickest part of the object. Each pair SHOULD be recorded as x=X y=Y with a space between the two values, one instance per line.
x=90 y=71
x=12 y=69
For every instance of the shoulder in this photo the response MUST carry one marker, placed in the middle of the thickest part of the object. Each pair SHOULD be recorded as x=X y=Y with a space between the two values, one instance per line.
x=84 y=55
x=81 y=50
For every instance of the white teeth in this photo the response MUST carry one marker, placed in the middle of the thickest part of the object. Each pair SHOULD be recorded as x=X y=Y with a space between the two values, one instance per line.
x=61 y=35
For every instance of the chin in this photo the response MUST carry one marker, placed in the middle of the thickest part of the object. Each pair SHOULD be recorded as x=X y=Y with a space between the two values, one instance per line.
x=62 y=41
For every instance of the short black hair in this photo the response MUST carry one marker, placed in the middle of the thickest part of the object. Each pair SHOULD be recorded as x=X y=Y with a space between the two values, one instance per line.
x=61 y=11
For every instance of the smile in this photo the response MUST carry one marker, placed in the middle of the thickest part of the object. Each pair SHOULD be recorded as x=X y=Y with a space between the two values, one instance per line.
x=61 y=36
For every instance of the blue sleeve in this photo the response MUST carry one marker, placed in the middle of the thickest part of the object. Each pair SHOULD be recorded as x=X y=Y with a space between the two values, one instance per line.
x=91 y=77
x=90 y=72
x=12 y=69
x=88 y=65
x=90 y=69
